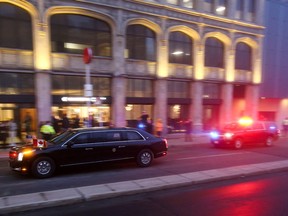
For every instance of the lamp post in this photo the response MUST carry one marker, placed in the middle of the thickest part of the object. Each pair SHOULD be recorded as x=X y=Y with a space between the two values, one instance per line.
x=88 y=87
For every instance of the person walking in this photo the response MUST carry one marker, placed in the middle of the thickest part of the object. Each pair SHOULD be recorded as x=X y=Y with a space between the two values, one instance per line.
x=188 y=130
x=28 y=123
x=65 y=123
x=159 y=127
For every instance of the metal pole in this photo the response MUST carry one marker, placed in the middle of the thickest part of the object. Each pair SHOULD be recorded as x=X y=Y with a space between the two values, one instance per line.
x=88 y=90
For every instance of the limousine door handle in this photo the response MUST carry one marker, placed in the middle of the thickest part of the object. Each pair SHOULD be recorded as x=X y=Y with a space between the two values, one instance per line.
x=121 y=146
x=88 y=149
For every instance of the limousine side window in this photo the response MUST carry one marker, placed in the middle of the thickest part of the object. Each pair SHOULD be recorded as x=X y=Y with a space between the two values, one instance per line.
x=82 y=138
x=132 y=135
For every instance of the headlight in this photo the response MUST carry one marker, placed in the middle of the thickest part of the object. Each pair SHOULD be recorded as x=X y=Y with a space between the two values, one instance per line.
x=214 y=135
x=228 y=135
x=26 y=152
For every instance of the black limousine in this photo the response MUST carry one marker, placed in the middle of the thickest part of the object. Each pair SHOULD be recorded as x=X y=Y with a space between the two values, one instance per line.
x=87 y=146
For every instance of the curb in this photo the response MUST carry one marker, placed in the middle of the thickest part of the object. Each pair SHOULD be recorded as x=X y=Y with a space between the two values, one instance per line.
x=25 y=202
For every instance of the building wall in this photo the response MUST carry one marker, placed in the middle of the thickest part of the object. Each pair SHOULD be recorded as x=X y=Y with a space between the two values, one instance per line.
x=162 y=18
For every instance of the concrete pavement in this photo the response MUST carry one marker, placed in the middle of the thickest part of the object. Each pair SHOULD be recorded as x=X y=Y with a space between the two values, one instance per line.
x=44 y=199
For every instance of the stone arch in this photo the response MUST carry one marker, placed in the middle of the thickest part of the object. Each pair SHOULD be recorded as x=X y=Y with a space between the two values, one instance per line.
x=141 y=21
x=220 y=36
x=80 y=11
x=249 y=41
x=189 y=31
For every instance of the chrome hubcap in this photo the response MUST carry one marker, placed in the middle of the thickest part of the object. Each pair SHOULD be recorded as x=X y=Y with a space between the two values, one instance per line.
x=43 y=167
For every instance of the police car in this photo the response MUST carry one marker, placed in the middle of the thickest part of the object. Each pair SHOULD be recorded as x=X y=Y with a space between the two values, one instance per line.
x=245 y=132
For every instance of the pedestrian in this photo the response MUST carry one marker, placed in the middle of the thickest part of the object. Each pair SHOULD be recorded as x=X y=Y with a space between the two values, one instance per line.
x=188 y=130
x=12 y=139
x=285 y=127
x=159 y=127
x=65 y=123
x=47 y=131
x=76 y=121
x=28 y=123
x=149 y=126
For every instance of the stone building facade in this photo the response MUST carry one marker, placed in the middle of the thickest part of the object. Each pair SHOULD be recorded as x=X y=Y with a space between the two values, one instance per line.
x=175 y=59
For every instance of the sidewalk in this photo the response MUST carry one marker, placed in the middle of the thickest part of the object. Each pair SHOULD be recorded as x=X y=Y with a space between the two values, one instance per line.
x=20 y=203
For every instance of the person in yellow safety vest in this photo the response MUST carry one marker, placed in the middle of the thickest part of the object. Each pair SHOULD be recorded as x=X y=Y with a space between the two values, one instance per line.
x=47 y=131
x=159 y=127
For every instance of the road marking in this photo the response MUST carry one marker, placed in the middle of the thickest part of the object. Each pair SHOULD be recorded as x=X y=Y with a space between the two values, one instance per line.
x=208 y=156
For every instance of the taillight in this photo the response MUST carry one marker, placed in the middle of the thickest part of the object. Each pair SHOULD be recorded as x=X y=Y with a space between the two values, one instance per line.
x=13 y=154
x=166 y=143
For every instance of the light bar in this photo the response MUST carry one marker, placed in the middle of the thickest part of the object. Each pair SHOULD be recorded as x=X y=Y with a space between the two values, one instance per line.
x=81 y=99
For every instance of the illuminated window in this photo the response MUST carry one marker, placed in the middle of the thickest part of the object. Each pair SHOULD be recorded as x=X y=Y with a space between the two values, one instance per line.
x=221 y=7
x=243 y=59
x=214 y=53
x=72 y=33
x=175 y=2
x=15 y=27
x=180 y=48
x=140 y=43
x=188 y=3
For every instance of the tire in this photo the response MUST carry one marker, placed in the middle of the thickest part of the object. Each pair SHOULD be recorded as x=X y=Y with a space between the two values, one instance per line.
x=43 y=167
x=269 y=141
x=238 y=144
x=145 y=158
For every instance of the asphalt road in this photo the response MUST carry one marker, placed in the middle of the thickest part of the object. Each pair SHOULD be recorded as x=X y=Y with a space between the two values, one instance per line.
x=264 y=195
x=180 y=159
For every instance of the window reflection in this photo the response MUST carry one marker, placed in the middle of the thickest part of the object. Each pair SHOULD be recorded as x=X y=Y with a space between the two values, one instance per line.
x=243 y=59
x=15 y=27
x=180 y=48
x=140 y=43
x=214 y=53
x=72 y=33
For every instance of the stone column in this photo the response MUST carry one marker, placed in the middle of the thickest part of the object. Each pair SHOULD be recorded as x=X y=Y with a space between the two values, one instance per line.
x=227 y=103
x=160 y=106
x=42 y=64
x=197 y=107
x=43 y=95
x=252 y=101
x=160 y=85
x=118 y=101
x=119 y=83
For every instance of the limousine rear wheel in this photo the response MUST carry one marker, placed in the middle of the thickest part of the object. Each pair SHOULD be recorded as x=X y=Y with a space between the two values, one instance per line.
x=43 y=167
x=269 y=141
x=145 y=158
x=238 y=144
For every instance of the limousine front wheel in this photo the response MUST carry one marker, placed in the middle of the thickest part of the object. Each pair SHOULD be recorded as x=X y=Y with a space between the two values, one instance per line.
x=43 y=167
x=145 y=158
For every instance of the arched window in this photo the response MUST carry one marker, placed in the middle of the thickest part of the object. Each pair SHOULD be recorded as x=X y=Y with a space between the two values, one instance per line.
x=72 y=33
x=214 y=53
x=140 y=43
x=180 y=48
x=243 y=59
x=15 y=27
